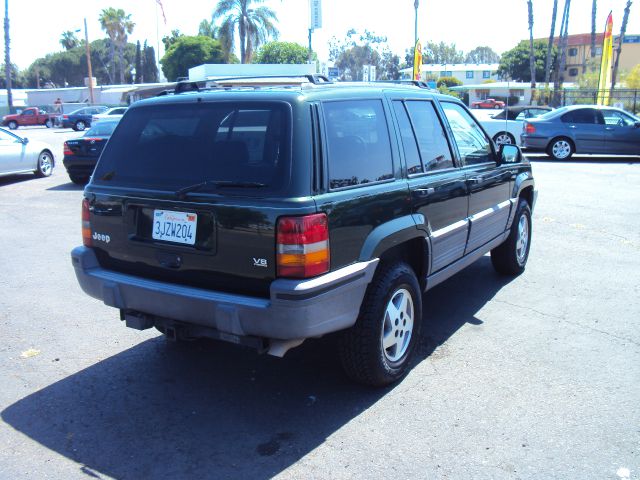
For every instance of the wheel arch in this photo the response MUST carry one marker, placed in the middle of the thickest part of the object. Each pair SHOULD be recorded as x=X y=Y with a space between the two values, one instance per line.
x=559 y=137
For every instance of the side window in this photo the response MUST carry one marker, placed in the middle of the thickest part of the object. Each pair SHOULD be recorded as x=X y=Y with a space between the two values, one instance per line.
x=359 y=150
x=473 y=144
x=412 y=156
x=611 y=117
x=432 y=141
x=29 y=112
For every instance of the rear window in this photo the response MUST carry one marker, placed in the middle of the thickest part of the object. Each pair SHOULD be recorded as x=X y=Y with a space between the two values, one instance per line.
x=174 y=146
x=101 y=129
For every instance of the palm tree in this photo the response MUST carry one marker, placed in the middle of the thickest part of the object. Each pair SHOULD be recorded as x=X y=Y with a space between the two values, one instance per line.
x=532 y=55
x=564 y=33
x=68 y=40
x=109 y=22
x=547 y=67
x=255 y=25
x=125 y=28
x=623 y=30
x=7 y=56
x=593 y=28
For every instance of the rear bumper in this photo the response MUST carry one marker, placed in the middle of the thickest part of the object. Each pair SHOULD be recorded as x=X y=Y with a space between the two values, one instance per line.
x=80 y=165
x=296 y=309
x=534 y=143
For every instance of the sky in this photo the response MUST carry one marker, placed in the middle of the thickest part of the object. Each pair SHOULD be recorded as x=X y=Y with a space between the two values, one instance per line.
x=36 y=25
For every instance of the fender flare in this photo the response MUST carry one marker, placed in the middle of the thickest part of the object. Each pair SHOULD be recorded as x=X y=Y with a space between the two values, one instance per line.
x=391 y=234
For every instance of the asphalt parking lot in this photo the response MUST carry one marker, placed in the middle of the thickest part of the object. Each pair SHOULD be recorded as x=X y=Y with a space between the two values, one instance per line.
x=535 y=377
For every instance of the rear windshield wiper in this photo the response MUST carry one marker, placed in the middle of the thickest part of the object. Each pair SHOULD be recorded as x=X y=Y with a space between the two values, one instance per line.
x=217 y=183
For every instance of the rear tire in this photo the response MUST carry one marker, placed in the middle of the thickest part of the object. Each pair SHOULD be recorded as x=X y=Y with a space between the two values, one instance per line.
x=79 y=179
x=497 y=107
x=378 y=349
x=48 y=123
x=510 y=258
x=45 y=164
x=12 y=125
x=504 y=138
x=79 y=126
x=560 y=148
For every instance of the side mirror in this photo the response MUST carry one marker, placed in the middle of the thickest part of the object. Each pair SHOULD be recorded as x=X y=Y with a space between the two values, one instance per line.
x=25 y=141
x=509 y=154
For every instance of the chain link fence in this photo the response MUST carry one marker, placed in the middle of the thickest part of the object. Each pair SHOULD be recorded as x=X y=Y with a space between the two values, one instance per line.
x=627 y=99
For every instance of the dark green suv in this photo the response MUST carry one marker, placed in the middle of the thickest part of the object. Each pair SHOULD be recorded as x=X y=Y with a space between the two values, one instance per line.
x=264 y=216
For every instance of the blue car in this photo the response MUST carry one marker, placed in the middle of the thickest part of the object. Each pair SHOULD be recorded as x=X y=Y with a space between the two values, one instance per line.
x=583 y=129
x=81 y=119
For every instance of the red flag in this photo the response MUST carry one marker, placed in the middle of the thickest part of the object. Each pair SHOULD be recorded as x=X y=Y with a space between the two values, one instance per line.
x=159 y=2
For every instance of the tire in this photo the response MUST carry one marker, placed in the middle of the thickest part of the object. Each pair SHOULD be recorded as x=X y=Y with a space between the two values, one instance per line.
x=79 y=179
x=380 y=322
x=561 y=148
x=48 y=123
x=497 y=107
x=45 y=164
x=504 y=138
x=12 y=125
x=510 y=258
x=80 y=125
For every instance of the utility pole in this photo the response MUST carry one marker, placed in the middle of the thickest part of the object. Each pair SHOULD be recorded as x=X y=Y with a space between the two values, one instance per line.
x=7 y=56
x=416 y=4
x=86 y=41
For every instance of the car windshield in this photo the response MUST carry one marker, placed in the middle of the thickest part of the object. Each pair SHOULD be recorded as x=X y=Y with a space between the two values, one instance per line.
x=174 y=146
x=101 y=129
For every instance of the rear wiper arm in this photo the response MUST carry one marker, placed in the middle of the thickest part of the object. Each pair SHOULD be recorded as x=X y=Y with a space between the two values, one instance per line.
x=217 y=183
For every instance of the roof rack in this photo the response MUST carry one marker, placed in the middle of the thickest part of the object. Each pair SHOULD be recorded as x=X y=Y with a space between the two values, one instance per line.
x=416 y=83
x=258 y=81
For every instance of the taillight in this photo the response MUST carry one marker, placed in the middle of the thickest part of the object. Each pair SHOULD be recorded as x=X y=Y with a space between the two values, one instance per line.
x=67 y=150
x=303 y=246
x=66 y=117
x=529 y=128
x=86 y=224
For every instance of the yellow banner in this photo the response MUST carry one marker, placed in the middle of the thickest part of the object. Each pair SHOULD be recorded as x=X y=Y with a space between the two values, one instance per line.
x=417 y=60
x=605 y=66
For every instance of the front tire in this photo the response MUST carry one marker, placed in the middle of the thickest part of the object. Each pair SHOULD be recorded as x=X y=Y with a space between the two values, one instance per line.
x=497 y=107
x=48 y=123
x=510 y=258
x=560 y=148
x=45 y=164
x=378 y=349
x=12 y=125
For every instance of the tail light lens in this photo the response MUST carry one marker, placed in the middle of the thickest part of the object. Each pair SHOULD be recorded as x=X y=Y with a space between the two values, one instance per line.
x=303 y=246
x=86 y=224
x=67 y=150
x=529 y=128
x=66 y=117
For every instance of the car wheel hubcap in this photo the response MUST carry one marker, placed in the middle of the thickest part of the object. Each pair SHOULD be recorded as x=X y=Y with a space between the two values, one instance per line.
x=45 y=164
x=398 y=325
x=503 y=139
x=523 y=239
x=561 y=149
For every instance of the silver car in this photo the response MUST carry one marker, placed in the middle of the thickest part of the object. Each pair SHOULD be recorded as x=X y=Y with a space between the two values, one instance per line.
x=19 y=155
x=583 y=129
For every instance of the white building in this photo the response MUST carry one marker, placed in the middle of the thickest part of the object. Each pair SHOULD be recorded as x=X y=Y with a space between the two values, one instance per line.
x=467 y=73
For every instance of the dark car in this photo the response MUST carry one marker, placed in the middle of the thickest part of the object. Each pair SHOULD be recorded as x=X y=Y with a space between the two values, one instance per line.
x=266 y=216
x=81 y=154
x=80 y=119
x=583 y=129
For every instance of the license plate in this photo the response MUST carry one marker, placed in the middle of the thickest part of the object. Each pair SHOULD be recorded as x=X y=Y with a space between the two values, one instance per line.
x=177 y=227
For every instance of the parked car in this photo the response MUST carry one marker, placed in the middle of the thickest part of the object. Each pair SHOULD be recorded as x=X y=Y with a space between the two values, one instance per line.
x=28 y=117
x=112 y=113
x=583 y=129
x=81 y=154
x=267 y=216
x=81 y=118
x=488 y=103
x=506 y=126
x=19 y=155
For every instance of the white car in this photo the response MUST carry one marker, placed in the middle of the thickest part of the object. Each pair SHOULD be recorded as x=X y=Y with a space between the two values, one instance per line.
x=112 y=113
x=19 y=155
x=506 y=126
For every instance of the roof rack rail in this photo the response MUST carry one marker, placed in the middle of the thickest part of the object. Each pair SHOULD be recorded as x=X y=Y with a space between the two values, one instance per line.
x=416 y=83
x=237 y=81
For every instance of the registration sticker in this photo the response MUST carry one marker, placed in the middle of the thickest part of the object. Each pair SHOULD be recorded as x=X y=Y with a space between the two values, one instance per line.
x=178 y=227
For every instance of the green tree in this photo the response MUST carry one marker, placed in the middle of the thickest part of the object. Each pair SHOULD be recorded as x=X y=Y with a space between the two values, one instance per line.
x=254 y=25
x=68 y=40
x=623 y=30
x=389 y=65
x=441 y=52
x=514 y=64
x=138 y=63
x=363 y=48
x=482 y=55
x=283 y=52
x=125 y=28
x=16 y=77
x=448 y=82
x=532 y=55
x=149 y=67
x=188 y=52
x=169 y=40
x=109 y=22
x=633 y=78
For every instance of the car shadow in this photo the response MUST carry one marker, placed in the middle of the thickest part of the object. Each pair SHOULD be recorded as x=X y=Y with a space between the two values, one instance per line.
x=66 y=187
x=212 y=410
x=17 y=178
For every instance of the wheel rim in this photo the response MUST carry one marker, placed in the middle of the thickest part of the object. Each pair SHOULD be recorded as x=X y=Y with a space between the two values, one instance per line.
x=80 y=125
x=503 y=139
x=561 y=149
x=398 y=325
x=522 y=241
x=45 y=164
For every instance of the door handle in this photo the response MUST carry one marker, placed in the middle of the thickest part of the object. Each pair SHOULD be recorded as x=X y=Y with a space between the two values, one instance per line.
x=572 y=126
x=424 y=192
x=608 y=128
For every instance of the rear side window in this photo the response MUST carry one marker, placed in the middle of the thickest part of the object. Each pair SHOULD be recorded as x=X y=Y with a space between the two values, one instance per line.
x=173 y=146
x=433 y=145
x=583 y=115
x=359 y=150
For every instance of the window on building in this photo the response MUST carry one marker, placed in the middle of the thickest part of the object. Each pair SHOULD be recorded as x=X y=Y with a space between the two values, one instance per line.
x=573 y=52
x=486 y=74
x=469 y=73
x=516 y=92
x=446 y=73
x=598 y=50
x=482 y=94
x=573 y=72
